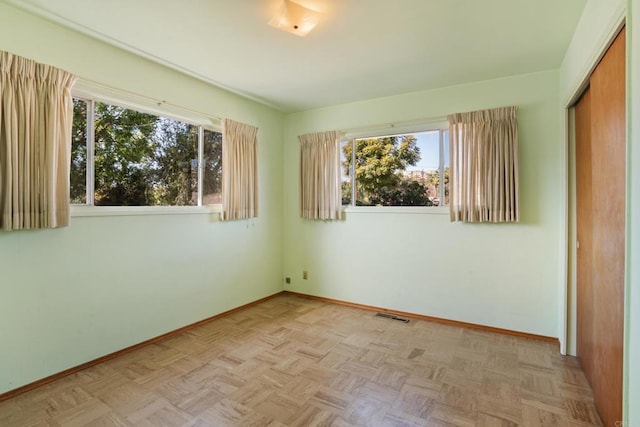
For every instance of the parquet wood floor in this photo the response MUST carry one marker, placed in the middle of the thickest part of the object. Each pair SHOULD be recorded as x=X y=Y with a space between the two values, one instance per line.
x=291 y=361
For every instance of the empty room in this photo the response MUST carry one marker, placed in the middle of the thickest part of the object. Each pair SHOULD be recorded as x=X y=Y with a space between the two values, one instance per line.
x=319 y=213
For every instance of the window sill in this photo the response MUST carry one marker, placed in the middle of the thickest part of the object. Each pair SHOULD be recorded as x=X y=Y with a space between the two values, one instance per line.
x=82 y=210
x=429 y=210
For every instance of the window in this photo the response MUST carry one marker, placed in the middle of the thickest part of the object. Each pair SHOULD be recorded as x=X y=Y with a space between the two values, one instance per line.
x=124 y=157
x=396 y=170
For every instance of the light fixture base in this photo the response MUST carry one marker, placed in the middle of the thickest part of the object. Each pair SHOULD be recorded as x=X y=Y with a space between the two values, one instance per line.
x=295 y=19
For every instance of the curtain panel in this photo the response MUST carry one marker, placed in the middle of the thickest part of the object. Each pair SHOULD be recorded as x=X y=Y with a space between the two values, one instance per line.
x=320 y=179
x=484 y=166
x=36 y=118
x=239 y=170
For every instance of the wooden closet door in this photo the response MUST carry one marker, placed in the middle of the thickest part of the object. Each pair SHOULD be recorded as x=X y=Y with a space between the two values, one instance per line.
x=584 y=261
x=602 y=228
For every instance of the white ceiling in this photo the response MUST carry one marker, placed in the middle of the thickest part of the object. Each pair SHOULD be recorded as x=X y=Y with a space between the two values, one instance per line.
x=361 y=49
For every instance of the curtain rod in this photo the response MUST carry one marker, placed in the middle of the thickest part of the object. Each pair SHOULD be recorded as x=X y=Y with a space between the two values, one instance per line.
x=156 y=101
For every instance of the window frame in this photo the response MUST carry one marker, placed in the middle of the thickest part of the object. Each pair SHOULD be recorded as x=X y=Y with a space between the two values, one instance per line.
x=440 y=124
x=92 y=93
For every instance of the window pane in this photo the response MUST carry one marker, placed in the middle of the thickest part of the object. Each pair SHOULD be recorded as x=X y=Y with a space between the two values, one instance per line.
x=174 y=163
x=142 y=159
x=345 y=163
x=426 y=171
x=123 y=153
x=447 y=166
x=78 y=179
x=212 y=173
x=398 y=170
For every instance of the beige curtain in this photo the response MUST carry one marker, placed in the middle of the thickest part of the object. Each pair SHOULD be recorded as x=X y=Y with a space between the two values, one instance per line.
x=484 y=166
x=36 y=117
x=239 y=171
x=320 y=192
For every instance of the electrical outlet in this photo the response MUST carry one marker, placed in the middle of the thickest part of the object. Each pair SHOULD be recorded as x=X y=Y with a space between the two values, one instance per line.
x=287 y=280
x=305 y=274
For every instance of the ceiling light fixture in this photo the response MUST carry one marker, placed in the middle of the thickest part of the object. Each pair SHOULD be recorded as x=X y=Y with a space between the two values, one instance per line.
x=295 y=18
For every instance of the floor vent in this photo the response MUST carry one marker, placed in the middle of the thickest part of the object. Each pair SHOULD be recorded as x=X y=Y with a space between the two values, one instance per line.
x=392 y=317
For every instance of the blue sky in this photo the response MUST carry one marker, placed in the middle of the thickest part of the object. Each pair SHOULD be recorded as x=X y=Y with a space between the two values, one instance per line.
x=429 y=151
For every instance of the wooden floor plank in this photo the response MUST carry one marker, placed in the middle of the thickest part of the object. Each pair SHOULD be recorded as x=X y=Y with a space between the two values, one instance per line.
x=293 y=361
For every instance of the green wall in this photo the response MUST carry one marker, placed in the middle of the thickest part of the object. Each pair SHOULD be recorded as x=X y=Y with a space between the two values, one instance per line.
x=504 y=276
x=104 y=283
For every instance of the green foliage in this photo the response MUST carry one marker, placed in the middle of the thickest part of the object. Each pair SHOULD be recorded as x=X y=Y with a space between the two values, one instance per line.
x=176 y=174
x=346 y=192
x=212 y=165
x=406 y=193
x=124 y=148
x=78 y=182
x=379 y=167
